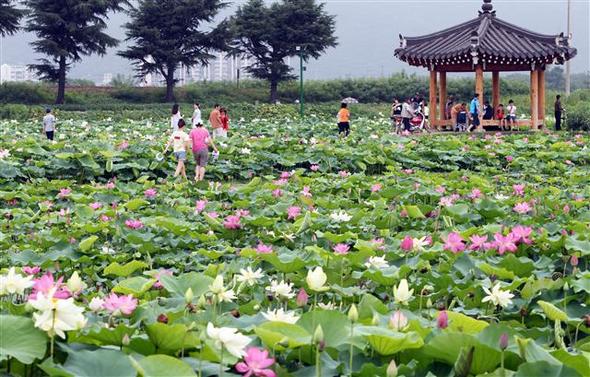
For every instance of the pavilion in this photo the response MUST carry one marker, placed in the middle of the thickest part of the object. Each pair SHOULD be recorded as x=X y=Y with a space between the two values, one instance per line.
x=485 y=44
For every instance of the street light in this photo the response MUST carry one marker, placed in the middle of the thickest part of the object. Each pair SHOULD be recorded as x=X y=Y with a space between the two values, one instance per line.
x=301 y=69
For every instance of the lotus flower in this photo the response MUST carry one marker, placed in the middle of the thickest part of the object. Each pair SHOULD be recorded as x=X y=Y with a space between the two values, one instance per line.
x=497 y=296
x=521 y=234
x=95 y=205
x=75 y=284
x=398 y=321
x=31 y=270
x=96 y=304
x=316 y=279
x=4 y=153
x=200 y=206
x=120 y=305
x=249 y=277
x=477 y=242
x=518 y=190
x=13 y=283
x=306 y=192
x=407 y=244
x=229 y=339
x=402 y=294
x=232 y=222
x=56 y=316
x=376 y=263
x=279 y=315
x=504 y=244
x=376 y=187
x=442 y=321
x=293 y=212
x=263 y=249
x=341 y=249
x=281 y=290
x=64 y=193
x=46 y=283
x=302 y=297
x=454 y=242
x=158 y=275
x=133 y=224
x=314 y=167
x=522 y=208
x=150 y=193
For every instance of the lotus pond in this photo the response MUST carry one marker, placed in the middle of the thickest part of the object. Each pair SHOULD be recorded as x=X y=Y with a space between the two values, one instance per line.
x=303 y=254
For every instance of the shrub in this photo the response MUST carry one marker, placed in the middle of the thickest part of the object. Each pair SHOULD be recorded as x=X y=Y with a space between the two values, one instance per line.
x=578 y=117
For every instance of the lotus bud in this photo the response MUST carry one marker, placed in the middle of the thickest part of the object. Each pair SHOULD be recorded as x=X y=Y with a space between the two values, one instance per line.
x=398 y=321
x=318 y=335
x=375 y=319
x=202 y=301
x=429 y=303
x=302 y=298
x=75 y=284
x=391 y=369
x=188 y=295
x=353 y=313
x=503 y=341
x=163 y=318
x=407 y=244
x=125 y=340
x=566 y=286
x=443 y=320
x=574 y=260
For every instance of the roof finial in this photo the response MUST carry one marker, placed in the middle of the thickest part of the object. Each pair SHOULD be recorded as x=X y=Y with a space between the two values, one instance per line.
x=487 y=6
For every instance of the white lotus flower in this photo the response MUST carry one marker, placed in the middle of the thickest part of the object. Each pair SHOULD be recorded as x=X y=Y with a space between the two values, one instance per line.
x=75 y=284
x=501 y=197
x=340 y=216
x=96 y=304
x=279 y=315
x=12 y=283
x=217 y=285
x=281 y=289
x=402 y=294
x=56 y=316
x=316 y=279
x=419 y=244
x=4 y=153
x=228 y=338
x=498 y=296
x=223 y=294
x=328 y=306
x=249 y=277
x=245 y=151
x=377 y=263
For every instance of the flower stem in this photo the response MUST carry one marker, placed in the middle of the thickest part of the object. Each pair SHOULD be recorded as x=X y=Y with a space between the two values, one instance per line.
x=502 y=370
x=351 y=347
x=318 y=365
x=221 y=363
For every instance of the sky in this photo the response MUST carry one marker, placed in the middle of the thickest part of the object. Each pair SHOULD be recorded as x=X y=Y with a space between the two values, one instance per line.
x=367 y=32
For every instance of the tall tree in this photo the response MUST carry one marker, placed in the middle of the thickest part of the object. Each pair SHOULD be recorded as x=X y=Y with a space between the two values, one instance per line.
x=270 y=34
x=67 y=30
x=9 y=17
x=170 y=33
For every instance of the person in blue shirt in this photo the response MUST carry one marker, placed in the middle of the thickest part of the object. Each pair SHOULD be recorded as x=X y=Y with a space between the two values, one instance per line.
x=474 y=110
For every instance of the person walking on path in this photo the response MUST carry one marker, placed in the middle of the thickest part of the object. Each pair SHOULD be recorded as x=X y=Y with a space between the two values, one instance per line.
x=49 y=124
x=455 y=109
x=407 y=114
x=215 y=121
x=344 y=120
x=558 y=112
x=224 y=121
x=175 y=117
x=196 y=119
x=475 y=111
x=201 y=140
x=180 y=144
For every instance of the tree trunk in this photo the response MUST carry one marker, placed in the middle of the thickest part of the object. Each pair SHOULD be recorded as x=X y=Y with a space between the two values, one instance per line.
x=61 y=82
x=170 y=86
x=274 y=95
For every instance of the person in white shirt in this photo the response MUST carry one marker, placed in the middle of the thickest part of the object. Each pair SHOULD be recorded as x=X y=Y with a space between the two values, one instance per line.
x=49 y=124
x=197 y=115
x=180 y=142
x=511 y=117
x=175 y=118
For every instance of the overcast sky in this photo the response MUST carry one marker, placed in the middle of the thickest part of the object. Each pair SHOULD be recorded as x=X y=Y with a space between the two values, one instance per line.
x=367 y=33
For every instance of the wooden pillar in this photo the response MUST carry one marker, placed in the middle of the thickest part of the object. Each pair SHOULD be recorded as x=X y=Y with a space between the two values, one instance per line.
x=495 y=89
x=479 y=86
x=442 y=96
x=541 y=101
x=534 y=99
x=432 y=97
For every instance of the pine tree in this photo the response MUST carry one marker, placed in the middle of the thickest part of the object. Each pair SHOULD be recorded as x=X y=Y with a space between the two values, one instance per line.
x=9 y=18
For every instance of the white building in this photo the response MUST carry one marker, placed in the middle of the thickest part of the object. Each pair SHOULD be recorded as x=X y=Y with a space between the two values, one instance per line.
x=107 y=78
x=16 y=73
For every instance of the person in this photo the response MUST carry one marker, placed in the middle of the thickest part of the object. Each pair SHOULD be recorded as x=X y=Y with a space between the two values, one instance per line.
x=558 y=112
x=426 y=112
x=344 y=120
x=396 y=111
x=49 y=124
x=449 y=107
x=407 y=114
x=500 y=116
x=196 y=115
x=224 y=121
x=511 y=117
x=201 y=140
x=215 y=121
x=488 y=111
x=454 y=111
x=180 y=143
x=461 y=118
x=175 y=118
x=475 y=111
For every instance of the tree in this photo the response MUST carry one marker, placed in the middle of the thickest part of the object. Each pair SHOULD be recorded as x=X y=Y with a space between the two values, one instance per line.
x=270 y=34
x=67 y=30
x=555 y=78
x=168 y=34
x=122 y=81
x=9 y=18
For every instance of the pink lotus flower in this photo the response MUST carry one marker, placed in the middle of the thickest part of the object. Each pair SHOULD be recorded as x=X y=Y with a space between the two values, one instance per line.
x=232 y=222
x=521 y=234
x=293 y=212
x=256 y=363
x=306 y=192
x=403 y=213
x=442 y=321
x=263 y=249
x=522 y=208
x=200 y=206
x=150 y=193
x=285 y=175
x=64 y=193
x=569 y=162
x=343 y=173
x=408 y=171
x=477 y=242
x=341 y=249
x=475 y=194
x=454 y=243
x=518 y=190
x=302 y=298
x=440 y=189
x=123 y=145
x=509 y=158
x=277 y=193
x=280 y=182
x=574 y=260
x=158 y=275
x=133 y=224
x=407 y=244
x=504 y=244
x=95 y=205
x=314 y=167
x=46 y=283
x=213 y=214
x=105 y=218
x=118 y=305
x=242 y=212
x=376 y=187
x=31 y=270
x=379 y=243
x=110 y=185
x=416 y=186
x=566 y=209
x=446 y=201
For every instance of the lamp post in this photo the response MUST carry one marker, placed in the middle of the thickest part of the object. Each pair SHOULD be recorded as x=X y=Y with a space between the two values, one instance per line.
x=567 y=63
x=301 y=69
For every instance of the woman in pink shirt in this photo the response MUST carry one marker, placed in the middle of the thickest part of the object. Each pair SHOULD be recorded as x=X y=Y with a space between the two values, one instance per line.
x=201 y=140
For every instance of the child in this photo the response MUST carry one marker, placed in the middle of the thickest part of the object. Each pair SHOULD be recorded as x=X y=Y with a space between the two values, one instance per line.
x=511 y=118
x=180 y=143
x=201 y=140
x=224 y=121
x=49 y=124
x=488 y=111
x=344 y=120
x=462 y=118
x=500 y=116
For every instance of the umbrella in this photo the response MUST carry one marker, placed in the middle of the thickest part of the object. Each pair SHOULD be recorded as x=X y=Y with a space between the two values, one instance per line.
x=350 y=100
